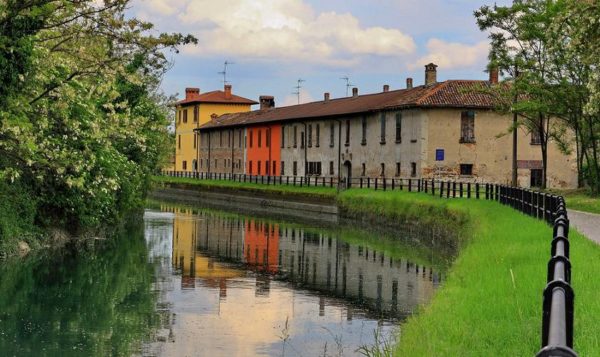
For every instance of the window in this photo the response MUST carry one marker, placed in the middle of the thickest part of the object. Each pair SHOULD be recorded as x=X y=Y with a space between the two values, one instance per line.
x=295 y=136
x=258 y=168
x=195 y=114
x=224 y=162
x=399 y=127
x=302 y=140
x=259 y=138
x=267 y=168
x=216 y=163
x=331 y=167
x=309 y=135
x=239 y=165
x=382 y=124
x=179 y=116
x=185 y=115
x=251 y=135
x=314 y=168
x=274 y=172
x=467 y=127
x=364 y=131
x=466 y=169
x=413 y=169
x=382 y=169
x=179 y=141
x=282 y=168
x=268 y=137
x=283 y=137
x=220 y=139
x=295 y=168
x=318 y=134
x=364 y=169
x=250 y=167
x=536 y=177
x=195 y=139
x=397 y=169
x=331 y=134
x=201 y=163
x=240 y=138
x=184 y=165
x=536 y=138
x=229 y=139
x=347 y=132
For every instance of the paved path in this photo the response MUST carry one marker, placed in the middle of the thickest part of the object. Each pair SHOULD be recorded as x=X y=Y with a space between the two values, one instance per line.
x=586 y=223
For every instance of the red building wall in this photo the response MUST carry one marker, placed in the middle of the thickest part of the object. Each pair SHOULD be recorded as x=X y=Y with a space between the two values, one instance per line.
x=263 y=149
x=262 y=245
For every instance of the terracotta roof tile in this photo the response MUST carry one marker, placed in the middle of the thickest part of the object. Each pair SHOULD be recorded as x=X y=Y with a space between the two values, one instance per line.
x=217 y=96
x=454 y=94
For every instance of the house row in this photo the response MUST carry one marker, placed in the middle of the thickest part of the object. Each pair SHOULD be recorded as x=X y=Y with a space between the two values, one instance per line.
x=443 y=130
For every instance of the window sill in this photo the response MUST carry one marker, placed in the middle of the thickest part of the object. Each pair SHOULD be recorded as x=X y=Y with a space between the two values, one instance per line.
x=382 y=142
x=363 y=143
x=467 y=141
x=413 y=141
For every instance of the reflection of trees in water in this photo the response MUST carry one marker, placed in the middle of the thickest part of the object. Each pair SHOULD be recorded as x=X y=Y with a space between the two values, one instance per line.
x=80 y=301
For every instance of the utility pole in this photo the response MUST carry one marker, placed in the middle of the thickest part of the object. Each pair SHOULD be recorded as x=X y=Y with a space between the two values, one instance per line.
x=224 y=72
x=348 y=84
x=298 y=87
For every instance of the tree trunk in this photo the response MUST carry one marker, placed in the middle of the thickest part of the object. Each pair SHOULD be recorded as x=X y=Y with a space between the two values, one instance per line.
x=544 y=146
x=595 y=185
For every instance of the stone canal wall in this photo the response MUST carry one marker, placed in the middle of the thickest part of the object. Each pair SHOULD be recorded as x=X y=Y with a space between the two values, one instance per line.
x=252 y=202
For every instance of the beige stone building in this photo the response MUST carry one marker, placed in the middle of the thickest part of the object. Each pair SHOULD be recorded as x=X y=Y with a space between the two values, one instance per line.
x=443 y=130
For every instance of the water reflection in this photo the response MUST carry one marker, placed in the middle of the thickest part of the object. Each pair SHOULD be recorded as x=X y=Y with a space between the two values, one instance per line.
x=243 y=286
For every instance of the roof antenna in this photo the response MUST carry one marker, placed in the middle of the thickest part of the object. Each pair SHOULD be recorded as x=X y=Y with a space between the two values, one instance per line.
x=298 y=87
x=224 y=72
x=348 y=84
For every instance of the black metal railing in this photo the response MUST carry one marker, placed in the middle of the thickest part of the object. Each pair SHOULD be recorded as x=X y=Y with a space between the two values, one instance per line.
x=558 y=296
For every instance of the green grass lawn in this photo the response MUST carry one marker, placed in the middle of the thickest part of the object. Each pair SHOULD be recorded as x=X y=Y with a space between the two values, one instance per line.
x=491 y=302
x=582 y=201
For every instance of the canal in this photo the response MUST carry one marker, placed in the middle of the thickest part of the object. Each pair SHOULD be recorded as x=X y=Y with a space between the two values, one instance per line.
x=193 y=281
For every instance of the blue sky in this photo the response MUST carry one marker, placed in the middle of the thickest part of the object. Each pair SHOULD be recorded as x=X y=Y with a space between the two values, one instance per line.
x=275 y=42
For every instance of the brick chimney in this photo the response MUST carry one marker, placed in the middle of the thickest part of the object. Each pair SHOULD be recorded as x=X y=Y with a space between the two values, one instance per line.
x=326 y=97
x=430 y=74
x=191 y=93
x=386 y=88
x=266 y=101
x=494 y=75
x=355 y=92
x=228 y=91
x=409 y=83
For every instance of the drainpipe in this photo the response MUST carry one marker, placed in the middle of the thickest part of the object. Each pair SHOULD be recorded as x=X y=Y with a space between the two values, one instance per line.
x=268 y=169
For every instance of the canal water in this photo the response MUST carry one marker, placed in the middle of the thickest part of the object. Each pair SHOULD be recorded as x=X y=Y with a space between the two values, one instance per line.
x=183 y=281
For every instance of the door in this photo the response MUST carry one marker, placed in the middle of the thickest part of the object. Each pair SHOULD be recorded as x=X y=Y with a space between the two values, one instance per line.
x=348 y=174
x=536 y=178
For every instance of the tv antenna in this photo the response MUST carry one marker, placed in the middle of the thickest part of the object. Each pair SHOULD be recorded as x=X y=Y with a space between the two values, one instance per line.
x=348 y=84
x=298 y=87
x=224 y=72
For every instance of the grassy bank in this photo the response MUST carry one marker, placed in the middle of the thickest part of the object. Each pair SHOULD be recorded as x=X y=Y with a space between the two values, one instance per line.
x=491 y=302
x=582 y=201
x=326 y=193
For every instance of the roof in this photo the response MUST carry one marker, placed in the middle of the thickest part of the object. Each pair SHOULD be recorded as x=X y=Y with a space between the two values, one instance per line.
x=448 y=94
x=217 y=96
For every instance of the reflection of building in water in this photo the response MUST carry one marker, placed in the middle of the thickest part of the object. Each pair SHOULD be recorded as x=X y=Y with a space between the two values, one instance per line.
x=205 y=245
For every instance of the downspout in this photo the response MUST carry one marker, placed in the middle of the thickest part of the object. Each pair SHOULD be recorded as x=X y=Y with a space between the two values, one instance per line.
x=268 y=169
x=231 y=142
x=197 y=139
x=208 y=166
x=305 y=143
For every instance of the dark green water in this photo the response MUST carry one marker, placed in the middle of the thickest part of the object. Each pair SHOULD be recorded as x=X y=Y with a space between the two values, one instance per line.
x=197 y=282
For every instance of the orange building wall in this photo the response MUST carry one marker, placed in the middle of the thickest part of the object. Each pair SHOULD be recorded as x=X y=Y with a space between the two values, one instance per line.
x=262 y=245
x=265 y=153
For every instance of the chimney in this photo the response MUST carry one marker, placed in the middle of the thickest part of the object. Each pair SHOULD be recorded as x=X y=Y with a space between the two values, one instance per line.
x=430 y=74
x=228 y=91
x=191 y=93
x=355 y=92
x=409 y=83
x=326 y=97
x=494 y=74
x=386 y=88
x=266 y=101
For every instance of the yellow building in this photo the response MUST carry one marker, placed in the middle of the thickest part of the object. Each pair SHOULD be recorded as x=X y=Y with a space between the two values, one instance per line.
x=197 y=109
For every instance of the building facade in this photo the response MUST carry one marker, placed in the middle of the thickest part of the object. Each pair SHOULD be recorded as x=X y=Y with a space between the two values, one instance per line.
x=198 y=109
x=442 y=130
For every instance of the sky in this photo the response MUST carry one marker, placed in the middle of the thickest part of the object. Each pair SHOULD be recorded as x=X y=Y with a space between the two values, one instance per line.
x=273 y=43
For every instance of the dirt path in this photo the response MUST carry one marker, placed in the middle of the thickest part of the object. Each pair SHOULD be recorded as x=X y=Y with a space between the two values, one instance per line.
x=586 y=223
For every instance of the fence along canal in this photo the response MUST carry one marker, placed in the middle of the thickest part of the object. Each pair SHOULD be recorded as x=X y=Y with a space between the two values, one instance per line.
x=558 y=295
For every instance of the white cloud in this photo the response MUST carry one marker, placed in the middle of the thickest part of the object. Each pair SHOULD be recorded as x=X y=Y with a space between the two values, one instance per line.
x=305 y=97
x=278 y=29
x=452 y=55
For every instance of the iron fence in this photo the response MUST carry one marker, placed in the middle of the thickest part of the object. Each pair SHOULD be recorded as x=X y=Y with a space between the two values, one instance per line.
x=558 y=295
